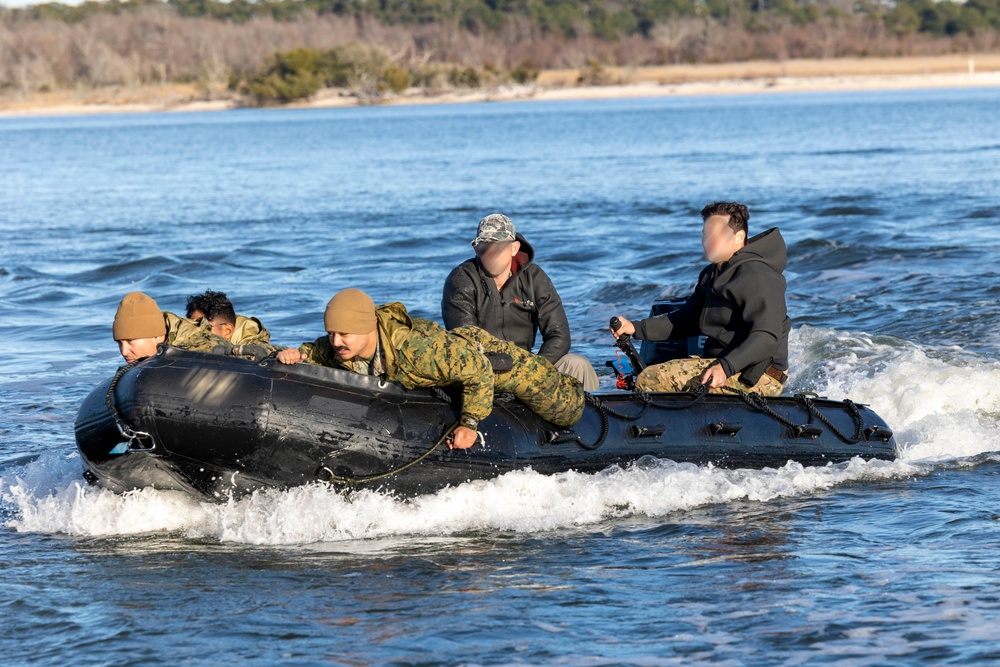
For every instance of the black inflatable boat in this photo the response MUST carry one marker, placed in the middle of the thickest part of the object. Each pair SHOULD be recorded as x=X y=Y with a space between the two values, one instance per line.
x=219 y=426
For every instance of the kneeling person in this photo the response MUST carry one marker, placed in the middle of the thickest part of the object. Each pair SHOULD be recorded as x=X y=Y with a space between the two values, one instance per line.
x=414 y=352
x=502 y=291
x=140 y=326
x=738 y=305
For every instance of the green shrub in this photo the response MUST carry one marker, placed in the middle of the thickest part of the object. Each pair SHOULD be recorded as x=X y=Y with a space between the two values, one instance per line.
x=288 y=76
x=395 y=79
x=523 y=74
x=468 y=77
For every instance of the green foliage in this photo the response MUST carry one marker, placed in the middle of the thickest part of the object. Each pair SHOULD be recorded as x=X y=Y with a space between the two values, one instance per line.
x=468 y=77
x=287 y=76
x=394 y=79
x=366 y=70
x=523 y=74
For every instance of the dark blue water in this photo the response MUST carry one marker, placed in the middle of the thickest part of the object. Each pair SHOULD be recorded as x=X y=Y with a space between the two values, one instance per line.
x=890 y=203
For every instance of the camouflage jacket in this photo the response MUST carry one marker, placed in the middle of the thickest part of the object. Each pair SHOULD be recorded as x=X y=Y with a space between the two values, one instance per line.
x=194 y=335
x=250 y=331
x=419 y=353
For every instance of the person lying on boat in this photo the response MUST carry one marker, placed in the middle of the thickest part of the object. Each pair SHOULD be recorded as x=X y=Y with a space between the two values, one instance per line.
x=502 y=291
x=140 y=326
x=414 y=352
x=738 y=305
x=218 y=311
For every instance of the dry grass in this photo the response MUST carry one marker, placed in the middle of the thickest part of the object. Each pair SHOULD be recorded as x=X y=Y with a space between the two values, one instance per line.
x=747 y=77
x=763 y=69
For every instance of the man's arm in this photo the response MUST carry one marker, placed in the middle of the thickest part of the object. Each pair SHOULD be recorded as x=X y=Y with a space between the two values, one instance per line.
x=188 y=335
x=458 y=301
x=318 y=352
x=439 y=359
x=552 y=321
x=761 y=299
x=681 y=323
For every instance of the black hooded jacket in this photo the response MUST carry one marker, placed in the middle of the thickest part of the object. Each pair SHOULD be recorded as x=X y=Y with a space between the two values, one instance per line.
x=739 y=307
x=527 y=304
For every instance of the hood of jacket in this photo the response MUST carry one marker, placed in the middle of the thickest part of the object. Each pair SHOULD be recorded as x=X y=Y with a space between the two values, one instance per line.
x=768 y=247
x=394 y=327
x=182 y=326
x=249 y=330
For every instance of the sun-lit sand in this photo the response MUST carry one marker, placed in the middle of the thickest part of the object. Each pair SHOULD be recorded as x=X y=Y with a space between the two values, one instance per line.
x=756 y=77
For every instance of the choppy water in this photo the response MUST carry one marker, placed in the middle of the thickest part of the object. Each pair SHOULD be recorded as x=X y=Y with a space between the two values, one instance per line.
x=891 y=206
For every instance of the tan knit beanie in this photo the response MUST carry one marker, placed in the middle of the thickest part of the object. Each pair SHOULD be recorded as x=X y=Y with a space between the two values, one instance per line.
x=138 y=316
x=350 y=311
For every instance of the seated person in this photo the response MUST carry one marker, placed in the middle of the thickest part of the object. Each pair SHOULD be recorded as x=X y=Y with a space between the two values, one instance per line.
x=387 y=342
x=140 y=326
x=502 y=291
x=738 y=304
x=222 y=318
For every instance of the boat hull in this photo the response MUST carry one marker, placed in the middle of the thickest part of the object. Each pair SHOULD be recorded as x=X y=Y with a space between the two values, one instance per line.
x=220 y=427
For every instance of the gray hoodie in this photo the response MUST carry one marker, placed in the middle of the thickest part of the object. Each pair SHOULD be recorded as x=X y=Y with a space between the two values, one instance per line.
x=740 y=307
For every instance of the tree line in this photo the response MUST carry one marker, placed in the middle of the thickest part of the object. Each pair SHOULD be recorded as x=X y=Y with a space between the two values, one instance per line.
x=277 y=50
x=604 y=19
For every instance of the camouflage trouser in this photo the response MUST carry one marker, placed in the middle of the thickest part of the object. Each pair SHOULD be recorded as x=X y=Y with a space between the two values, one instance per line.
x=685 y=375
x=551 y=395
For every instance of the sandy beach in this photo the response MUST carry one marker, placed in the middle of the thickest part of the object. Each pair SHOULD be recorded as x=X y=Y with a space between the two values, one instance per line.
x=755 y=77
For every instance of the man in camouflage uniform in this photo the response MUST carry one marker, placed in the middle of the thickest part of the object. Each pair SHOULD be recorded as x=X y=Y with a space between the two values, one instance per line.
x=387 y=342
x=218 y=311
x=140 y=326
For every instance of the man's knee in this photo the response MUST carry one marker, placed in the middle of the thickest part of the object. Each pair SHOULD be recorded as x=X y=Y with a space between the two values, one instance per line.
x=579 y=367
x=767 y=386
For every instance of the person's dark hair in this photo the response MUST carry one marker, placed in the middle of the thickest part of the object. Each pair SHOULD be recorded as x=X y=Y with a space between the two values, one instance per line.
x=214 y=305
x=195 y=303
x=738 y=214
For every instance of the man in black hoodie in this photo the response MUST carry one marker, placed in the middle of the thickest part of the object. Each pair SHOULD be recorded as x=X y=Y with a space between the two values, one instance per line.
x=738 y=305
x=502 y=291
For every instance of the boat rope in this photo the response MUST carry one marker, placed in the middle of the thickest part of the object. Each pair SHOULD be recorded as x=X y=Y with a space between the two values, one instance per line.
x=351 y=481
x=127 y=432
x=759 y=403
x=647 y=401
x=852 y=408
x=605 y=412
x=699 y=392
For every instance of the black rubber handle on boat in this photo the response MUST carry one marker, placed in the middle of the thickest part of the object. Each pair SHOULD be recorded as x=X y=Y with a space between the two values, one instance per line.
x=624 y=343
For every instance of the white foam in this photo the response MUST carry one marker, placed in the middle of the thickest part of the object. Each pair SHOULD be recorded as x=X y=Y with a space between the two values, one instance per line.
x=942 y=404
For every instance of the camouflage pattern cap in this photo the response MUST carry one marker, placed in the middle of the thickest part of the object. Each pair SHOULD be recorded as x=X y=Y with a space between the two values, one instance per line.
x=493 y=229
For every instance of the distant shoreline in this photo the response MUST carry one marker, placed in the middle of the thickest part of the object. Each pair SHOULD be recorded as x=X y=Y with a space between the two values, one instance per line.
x=756 y=77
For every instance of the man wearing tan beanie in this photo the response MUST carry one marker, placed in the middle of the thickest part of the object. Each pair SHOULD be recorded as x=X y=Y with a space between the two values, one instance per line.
x=140 y=326
x=387 y=342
